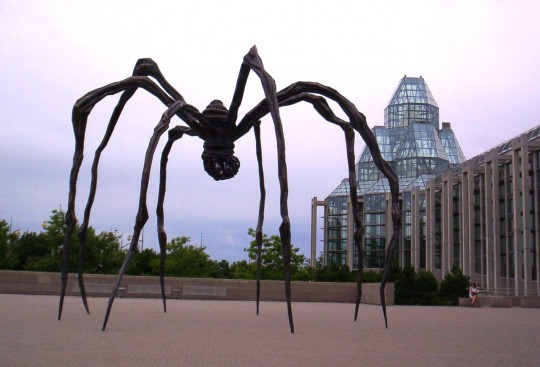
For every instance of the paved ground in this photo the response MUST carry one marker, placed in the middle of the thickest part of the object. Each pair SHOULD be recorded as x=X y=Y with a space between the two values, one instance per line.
x=228 y=333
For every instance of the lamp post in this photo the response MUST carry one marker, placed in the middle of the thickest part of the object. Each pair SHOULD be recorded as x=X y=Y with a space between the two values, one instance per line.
x=121 y=236
x=141 y=240
x=12 y=235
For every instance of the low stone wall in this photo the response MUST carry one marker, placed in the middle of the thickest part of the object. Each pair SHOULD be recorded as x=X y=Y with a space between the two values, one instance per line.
x=191 y=288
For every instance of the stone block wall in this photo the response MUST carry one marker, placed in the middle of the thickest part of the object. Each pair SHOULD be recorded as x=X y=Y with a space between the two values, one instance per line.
x=191 y=288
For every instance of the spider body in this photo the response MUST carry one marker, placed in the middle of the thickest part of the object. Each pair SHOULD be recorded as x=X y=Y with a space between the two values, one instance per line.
x=218 y=128
x=218 y=155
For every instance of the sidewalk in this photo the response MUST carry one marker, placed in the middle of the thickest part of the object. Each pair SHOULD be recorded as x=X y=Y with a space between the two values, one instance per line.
x=228 y=333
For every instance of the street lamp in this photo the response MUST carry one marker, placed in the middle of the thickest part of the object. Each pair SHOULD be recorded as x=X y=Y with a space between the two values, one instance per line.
x=121 y=236
x=141 y=240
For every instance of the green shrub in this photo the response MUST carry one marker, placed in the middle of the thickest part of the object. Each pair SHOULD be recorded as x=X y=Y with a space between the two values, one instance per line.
x=454 y=285
x=404 y=286
x=427 y=289
x=371 y=276
x=335 y=273
x=416 y=288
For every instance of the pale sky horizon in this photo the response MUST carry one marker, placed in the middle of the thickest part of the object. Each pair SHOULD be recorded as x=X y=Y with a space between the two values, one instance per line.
x=479 y=58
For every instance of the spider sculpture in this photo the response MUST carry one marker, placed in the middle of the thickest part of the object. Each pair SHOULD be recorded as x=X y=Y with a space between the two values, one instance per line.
x=219 y=130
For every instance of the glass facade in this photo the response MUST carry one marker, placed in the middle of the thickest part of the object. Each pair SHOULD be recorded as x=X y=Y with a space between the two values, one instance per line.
x=336 y=225
x=422 y=240
x=374 y=229
x=420 y=152
x=417 y=149
x=451 y=145
x=410 y=140
x=406 y=229
x=412 y=102
x=481 y=215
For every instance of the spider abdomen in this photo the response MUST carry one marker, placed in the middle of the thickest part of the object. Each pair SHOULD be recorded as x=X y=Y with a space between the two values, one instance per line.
x=221 y=167
x=219 y=161
x=218 y=155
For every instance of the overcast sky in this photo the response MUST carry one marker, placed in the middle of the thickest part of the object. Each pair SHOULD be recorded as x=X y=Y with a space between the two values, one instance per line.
x=480 y=59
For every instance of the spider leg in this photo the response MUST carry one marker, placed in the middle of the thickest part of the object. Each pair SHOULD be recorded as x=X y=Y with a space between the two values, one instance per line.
x=81 y=111
x=178 y=107
x=148 y=67
x=321 y=106
x=359 y=123
x=143 y=67
x=83 y=230
x=174 y=134
x=396 y=228
x=303 y=91
x=259 y=230
x=253 y=62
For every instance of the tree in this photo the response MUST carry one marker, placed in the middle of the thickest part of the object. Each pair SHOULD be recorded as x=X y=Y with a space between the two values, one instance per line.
x=223 y=269
x=454 y=285
x=7 y=259
x=4 y=240
x=103 y=253
x=243 y=270
x=33 y=253
x=42 y=251
x=404 y=286
x=145 y=262
x=335 y=273
x=427 y=288
x=272 y=257
x=187 y=260
x=54 y=231
x=416 y=288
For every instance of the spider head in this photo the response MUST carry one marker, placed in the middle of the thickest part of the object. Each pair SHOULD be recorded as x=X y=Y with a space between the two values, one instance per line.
x=218 y=155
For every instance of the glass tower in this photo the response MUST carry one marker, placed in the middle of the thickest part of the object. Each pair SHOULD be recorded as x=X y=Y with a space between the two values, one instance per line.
x=417 y=148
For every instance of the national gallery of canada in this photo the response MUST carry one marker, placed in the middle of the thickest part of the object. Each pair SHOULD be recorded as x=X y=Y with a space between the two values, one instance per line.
x=481 y=214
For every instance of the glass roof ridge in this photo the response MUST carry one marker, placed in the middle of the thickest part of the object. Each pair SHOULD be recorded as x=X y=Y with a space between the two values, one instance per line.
x=411 y=141
x=342 y=189
x=421 y=140
x=412 y=90
x=411 y=102
x=451 y=146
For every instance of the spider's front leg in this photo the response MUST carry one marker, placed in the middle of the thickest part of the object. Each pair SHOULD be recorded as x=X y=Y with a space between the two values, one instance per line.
x=253 y=61
x=81 y=111
x=177 y=108
x=260 y=220
x=168 y=95
x=174 y=134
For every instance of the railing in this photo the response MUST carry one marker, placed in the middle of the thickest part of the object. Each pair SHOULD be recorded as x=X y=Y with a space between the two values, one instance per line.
x=517 y=292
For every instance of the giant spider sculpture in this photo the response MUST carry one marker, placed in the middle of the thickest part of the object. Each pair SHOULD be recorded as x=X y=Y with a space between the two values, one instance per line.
x=219 y=130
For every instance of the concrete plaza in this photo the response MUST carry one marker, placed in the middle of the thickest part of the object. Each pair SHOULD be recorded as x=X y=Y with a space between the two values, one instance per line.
x=228 y=333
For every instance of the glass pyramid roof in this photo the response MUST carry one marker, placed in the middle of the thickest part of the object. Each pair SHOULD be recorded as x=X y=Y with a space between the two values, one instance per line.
x=451 y=146
x=410 y=141
x=373 y=187
x=421 y=141
x=412 y=90
x=412 y=102
x=342 y=189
